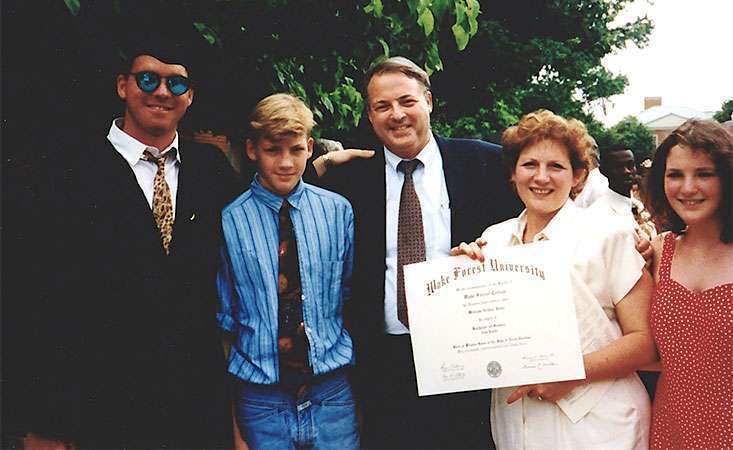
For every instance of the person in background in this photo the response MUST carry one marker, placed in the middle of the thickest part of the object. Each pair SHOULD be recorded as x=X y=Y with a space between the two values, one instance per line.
x=689 y=188
x=284 y=280
x=619 y=167
x=618 y=164
x=596 y=187
x=596 y=184
x=609 y=409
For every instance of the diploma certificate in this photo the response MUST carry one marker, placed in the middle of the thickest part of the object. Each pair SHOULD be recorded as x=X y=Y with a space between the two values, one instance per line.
x=507 y=321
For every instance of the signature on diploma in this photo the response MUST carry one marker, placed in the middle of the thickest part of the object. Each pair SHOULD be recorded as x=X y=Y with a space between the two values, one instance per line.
x=452 y=372
x=538 y=361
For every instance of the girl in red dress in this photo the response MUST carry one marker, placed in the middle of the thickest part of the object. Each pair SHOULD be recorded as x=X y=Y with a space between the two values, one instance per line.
x=689 y=188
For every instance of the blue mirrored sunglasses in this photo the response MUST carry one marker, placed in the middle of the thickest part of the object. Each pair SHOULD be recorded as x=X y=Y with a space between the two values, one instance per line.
x=149 y=81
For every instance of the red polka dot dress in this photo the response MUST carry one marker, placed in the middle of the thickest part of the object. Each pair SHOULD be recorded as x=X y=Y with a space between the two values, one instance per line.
x=693 y=407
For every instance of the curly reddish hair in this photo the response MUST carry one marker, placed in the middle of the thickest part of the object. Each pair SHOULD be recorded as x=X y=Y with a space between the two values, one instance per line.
x=544 y=125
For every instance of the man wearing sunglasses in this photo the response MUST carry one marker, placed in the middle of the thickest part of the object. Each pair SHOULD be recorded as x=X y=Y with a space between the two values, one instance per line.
x=133 y=356
x=157 y=96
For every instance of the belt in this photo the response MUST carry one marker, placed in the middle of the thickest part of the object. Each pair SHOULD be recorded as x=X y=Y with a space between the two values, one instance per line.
x=297 y=383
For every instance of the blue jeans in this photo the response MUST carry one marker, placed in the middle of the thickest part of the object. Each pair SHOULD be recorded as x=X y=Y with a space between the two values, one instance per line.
x=321 y=416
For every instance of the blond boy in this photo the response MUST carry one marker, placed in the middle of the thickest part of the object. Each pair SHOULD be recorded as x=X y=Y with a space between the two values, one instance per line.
x=285 y=274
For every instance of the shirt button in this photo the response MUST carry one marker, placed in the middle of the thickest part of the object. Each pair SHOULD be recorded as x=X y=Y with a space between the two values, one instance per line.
x=302 y=296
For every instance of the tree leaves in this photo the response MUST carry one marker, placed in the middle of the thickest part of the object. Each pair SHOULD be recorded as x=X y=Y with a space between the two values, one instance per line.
x=466 y=24
x=375 y=7
x=385 y=47
x=490 y=63
x=73 y=6
x=461 y=36
x=633 y=134
x=726 y=111
x=208 y=33
x=426 y=20
x=533 y=55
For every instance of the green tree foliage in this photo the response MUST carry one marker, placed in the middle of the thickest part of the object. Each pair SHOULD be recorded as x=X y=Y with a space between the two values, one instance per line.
x=635 y=135
x=320 y=49
x=490 y=63
x=316 y=49
x=531 y=55
x=726 y=111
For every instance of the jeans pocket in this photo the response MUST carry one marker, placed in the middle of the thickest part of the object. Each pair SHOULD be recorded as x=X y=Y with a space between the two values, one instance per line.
x=337 y=422
x=253 y=411
x=342 y=396
x=263 y=426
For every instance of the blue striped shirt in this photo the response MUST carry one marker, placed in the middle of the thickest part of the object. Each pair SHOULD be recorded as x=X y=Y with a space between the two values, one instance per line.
x=323 y=223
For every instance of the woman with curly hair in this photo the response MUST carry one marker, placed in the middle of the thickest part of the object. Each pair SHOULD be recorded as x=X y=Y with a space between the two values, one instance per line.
x=609 y=409
x=689 y=188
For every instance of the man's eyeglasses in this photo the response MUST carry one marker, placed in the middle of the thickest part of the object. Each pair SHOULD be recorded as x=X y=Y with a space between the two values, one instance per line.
x=149 y=81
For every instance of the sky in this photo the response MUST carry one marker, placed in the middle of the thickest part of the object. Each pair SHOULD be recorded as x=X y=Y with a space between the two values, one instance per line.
x=688 y=61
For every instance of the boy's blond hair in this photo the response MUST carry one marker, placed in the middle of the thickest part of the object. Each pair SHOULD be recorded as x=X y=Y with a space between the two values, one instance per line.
x=279 y=115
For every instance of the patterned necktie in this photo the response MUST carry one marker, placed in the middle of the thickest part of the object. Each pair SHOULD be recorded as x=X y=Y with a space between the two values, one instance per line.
x=410 y=234
x=162 y=201
x=292 y=342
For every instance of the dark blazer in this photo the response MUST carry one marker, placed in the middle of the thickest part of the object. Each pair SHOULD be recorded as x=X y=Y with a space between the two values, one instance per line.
x=479 y=195
x=137 y=358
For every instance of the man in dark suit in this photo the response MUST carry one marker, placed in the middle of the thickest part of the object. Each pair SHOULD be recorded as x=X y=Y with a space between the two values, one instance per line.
x=130 y=355
x=462 y=188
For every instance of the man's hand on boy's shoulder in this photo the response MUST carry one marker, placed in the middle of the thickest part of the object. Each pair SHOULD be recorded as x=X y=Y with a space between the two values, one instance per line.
x=338 y=157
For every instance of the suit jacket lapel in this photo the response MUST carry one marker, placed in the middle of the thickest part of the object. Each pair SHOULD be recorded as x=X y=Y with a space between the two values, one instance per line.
x=116 y=192
x=380 y=212
x=185 y=204
x=113 y=170
x=365 y=183
x=455 y=182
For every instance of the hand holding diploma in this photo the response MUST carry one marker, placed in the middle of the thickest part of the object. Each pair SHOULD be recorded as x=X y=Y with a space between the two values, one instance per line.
x=472 y=250
x=505 y=320
x=598 y=365
x=542 y=391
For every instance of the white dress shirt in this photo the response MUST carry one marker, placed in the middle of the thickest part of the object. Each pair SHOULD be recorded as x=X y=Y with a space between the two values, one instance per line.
x=616 y=204
x=132 y=150
x=432 y=192
x=604 y=266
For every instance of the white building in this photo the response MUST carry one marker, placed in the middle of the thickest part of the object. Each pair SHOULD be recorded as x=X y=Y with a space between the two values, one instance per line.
x=662 y=120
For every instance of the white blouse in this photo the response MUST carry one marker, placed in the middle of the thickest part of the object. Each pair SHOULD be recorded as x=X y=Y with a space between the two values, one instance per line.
x=611 y=414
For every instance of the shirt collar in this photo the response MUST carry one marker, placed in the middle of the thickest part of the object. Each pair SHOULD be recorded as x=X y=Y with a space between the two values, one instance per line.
x=552 y=230
x=274 y=201
x=131 y=149
x=427 y=156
